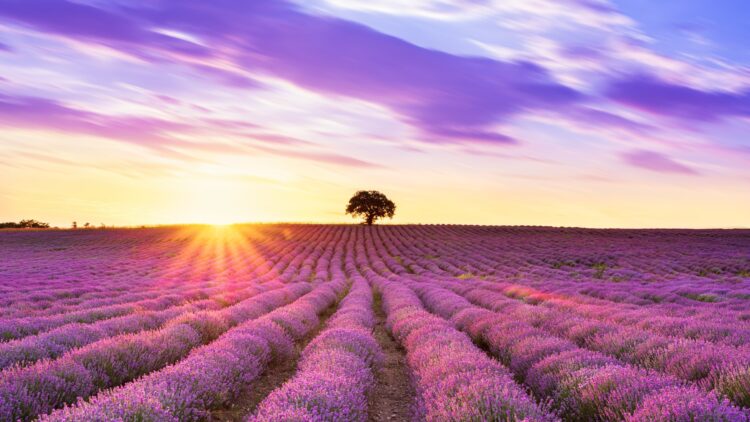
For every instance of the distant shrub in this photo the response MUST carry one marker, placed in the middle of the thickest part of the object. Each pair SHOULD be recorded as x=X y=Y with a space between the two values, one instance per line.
x=703 y=297
x=600 y=268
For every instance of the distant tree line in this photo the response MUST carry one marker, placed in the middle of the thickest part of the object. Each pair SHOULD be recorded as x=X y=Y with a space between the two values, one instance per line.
x=87 y=226
x=34 y=224
x=24 y=224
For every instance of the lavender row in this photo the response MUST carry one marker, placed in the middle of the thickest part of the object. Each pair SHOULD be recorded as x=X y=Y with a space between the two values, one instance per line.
x=643 y=319
x=85 y=297
x=670 y=321
x=54 y=343
x=37 y=389
x=50 y=268
x=335 y=373
x=684 y=358
x=408 y=252
x=455 y=381
x=15 y=328
x=581 y=384
x=717 y=322
x=151 y=267
x=533 y=265
x=713 y=366
x=287 y=267
x=213 y=375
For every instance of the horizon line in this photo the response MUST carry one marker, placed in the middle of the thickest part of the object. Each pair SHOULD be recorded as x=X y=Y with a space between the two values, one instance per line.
x=269 y=223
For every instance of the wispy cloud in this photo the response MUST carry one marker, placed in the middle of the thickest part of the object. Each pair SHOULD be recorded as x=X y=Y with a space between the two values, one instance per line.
x=654 y=161
x=41 y=113
x=318 y=156
x=656 y=96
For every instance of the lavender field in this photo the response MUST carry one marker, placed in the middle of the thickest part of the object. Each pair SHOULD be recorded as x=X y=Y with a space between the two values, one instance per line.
x=357 y=323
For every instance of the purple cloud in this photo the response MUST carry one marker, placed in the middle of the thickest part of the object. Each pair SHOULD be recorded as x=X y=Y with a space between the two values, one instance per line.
x=594 y=5
x=598 y=118
x=70 y=18
x=446 y=97
x=655 y=161
x=45 y=114
x=36 y=113
x=83 y=21
x=655 y=96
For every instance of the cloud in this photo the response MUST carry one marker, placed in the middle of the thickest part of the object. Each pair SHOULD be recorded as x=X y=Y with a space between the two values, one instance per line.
x=599 y=118
x=84 y=21
x=126 y=168
x=321 y=157
x=655 y=96
x=597 y=13
x=41 y=113
x=655 y=161
x=443 y=96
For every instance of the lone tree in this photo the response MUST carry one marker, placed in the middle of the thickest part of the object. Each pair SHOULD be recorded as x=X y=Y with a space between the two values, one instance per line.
x=371 y=205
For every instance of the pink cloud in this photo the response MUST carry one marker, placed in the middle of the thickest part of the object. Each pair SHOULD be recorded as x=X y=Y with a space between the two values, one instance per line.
x=655 y=161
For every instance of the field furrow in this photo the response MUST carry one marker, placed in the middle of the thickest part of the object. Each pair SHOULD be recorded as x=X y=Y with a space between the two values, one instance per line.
x=392 y=397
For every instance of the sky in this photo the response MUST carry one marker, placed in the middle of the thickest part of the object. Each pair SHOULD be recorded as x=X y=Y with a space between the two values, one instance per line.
x=597 y=113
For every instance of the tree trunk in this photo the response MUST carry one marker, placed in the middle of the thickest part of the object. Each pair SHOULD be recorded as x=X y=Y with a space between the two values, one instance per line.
x=370 y=219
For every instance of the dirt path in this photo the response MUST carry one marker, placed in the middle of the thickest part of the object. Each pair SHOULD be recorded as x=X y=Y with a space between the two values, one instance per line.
x=393 y=395
x=273 y=377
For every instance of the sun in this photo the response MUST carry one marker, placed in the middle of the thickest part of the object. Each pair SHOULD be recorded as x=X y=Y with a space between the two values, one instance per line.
x=216 y=221
x=213 y=202
x=215 y=218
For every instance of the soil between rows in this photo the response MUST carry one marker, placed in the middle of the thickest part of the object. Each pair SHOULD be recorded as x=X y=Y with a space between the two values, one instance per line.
x=393 y=395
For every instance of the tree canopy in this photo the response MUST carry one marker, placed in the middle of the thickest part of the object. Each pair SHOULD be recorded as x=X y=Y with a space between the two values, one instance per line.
x=370 y=205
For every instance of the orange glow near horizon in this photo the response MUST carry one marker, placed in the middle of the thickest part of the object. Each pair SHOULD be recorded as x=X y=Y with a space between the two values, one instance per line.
x=216 y=254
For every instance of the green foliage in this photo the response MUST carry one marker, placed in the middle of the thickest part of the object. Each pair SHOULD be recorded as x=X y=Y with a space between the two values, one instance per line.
x=600 y=268
x=559 y=264
x=703 y=297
